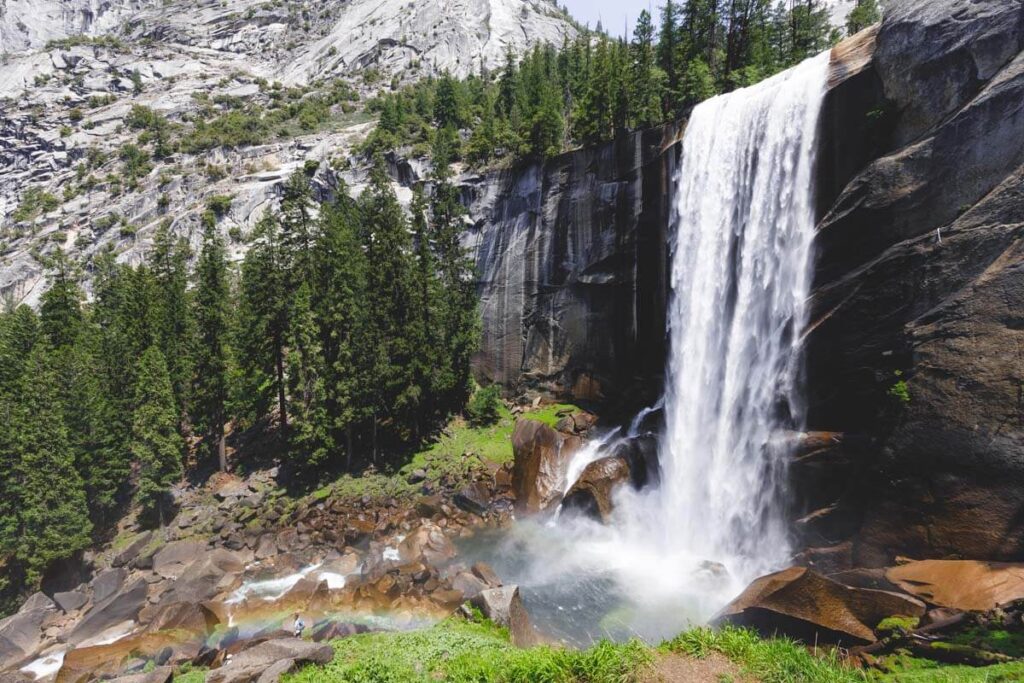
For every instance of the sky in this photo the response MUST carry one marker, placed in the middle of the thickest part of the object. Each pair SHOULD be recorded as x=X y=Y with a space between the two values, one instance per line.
x=610 y=12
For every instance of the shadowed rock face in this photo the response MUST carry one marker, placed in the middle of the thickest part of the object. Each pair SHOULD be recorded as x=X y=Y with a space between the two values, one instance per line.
x=921 y=273
x=572 y=259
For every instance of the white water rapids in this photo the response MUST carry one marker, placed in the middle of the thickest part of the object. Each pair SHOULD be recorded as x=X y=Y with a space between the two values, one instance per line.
x=675 y=553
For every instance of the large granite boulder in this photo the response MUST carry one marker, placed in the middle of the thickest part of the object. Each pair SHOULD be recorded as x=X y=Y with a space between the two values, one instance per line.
x=802 y=604
x=542 y=457
x=124 y=606
x=278 y=655
x=21 y=635
x=592 y=493
x=504 y=607
x=961 y=584
x=919 y=291
x=211 y=572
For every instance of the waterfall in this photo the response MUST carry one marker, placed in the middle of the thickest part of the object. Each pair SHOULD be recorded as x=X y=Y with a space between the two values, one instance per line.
x=743 y=225
x=741 y=266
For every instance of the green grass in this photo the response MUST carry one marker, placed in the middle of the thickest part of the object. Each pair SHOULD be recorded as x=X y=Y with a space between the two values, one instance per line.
x=769 y=661
x=463 y=652
x=549 y=415
x=193 y=676
x=1009 y=643
x=456 y=455
x=913 y=670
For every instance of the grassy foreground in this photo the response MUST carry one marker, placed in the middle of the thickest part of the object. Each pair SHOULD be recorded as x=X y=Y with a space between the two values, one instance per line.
x=465 y=652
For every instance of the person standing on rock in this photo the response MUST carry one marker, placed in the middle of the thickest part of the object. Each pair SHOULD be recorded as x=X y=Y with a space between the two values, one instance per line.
x=299 y=625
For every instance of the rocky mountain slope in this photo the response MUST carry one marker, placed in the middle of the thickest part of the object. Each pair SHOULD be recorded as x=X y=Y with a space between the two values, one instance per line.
x=302 y=41
x=73 y=70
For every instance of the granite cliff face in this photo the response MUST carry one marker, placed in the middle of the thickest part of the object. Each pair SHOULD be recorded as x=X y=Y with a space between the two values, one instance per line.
x=572 y=258
x=918 y=339
x=299 y=41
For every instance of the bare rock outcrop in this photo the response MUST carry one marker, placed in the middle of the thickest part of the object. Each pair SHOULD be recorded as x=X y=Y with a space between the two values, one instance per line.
x=541 y=458
x=800 y=603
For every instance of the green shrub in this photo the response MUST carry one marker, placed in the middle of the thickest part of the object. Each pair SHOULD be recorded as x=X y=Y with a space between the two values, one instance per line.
x=34 y=203
x=484 y=408
x=136 y=161
x=219 y=204
x=900 y=391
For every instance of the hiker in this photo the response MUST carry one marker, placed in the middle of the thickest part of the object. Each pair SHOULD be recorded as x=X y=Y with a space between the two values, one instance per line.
x=299 y=626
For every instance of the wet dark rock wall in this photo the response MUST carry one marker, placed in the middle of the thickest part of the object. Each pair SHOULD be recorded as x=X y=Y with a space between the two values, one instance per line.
x=572 y=259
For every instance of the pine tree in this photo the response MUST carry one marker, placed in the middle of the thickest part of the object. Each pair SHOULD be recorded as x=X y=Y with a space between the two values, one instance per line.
x=61 y=308
x=422 y=333
x=457 y=318
x=311 y=438
x=863 y=15
x=169 y=265
x=52 y=518
x=447 y=105
x=668 y=55
x=298 y=229
x=19 y=333
x=644 y=96
x=390 y=296
x=341 y=310
x=155 y=442
x=263 y=309
x=125 y=320
x=211 y=367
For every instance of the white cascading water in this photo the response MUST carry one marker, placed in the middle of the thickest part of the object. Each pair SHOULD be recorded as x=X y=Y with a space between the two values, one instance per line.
x=674 y=554
x=741 y=270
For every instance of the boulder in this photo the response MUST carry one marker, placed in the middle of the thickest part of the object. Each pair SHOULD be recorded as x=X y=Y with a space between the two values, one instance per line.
x=961 y=584
x=802 y=604
x=541 y=458
x=474 y=498
x=38 y=601
x=592 y=492
x=428 y=544
x=504 y=607
x=266 y=547
x=69 y=601
x=184 y=617
x=170 y=561
x=468 y=584
x=161 y=674
x=486 y=573
x=253 y=662
x=212 y=572
x=329 y=629
x=21 y=635
x=124 y=606
x=106 y=584
x=132 y=550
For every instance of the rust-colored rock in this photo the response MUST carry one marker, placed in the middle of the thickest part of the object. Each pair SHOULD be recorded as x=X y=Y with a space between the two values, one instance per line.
x=961 y=584
x=592 y=492
x=800 y=603
x=541 y=459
